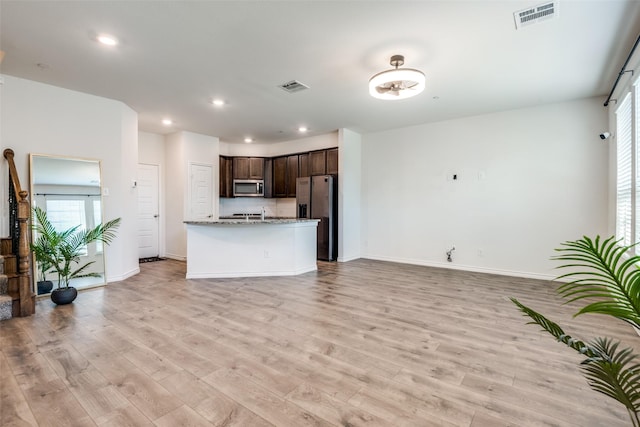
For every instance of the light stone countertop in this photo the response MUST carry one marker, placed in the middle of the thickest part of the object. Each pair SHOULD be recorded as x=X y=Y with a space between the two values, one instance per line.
x=243 y=221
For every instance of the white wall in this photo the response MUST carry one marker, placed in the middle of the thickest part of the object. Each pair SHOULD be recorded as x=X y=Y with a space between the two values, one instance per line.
x=349 y=195
x=39 y=118
x=182 y=149
x=528 y=180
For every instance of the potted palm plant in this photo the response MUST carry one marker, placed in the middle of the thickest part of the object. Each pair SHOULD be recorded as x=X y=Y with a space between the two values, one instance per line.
x=39 y=249
x=61 y=251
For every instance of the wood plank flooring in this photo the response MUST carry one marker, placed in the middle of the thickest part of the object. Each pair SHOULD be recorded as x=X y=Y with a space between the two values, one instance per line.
x=362 y=343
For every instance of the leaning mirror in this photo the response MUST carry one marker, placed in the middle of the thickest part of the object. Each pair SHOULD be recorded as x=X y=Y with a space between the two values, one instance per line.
x=68 y=190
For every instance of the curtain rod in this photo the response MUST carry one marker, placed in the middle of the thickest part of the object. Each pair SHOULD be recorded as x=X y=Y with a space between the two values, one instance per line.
x=622 y=71
x=65 y=194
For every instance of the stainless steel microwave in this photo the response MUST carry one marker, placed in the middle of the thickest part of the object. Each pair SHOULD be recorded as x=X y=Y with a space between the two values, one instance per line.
x=248 y=188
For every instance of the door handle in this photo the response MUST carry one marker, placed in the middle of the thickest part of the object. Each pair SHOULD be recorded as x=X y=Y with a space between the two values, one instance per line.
x=155 y=216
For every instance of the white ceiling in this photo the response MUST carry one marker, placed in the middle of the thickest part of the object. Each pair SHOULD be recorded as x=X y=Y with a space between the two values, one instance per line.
x=174 y=56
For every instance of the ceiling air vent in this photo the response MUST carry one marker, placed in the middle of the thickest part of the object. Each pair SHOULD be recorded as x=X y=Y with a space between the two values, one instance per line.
x=536 y=14
x=293 y=86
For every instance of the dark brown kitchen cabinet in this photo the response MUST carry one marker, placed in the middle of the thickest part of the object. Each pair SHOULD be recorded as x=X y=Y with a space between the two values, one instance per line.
x=280 y=176
x=268 y=178
x=226 y=177
x=285 y=172
x=292 y=174
x=317 y=162
x=332 y=161
x=303 y=165
x=248 y=168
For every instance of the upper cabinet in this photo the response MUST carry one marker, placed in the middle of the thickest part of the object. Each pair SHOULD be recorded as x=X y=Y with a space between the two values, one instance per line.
x=285 y=173
x=226 y=176
x=292 y=174
x=248 y=168
x=332 y=161
x=318 y=162
x=280 y=176
x=279 y=173
x=303 y=165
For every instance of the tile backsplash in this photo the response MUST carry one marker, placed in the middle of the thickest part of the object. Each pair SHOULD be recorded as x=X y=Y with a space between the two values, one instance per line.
x=253 y=205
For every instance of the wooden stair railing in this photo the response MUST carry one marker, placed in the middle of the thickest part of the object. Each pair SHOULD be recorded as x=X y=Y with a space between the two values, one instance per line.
x=21 y=288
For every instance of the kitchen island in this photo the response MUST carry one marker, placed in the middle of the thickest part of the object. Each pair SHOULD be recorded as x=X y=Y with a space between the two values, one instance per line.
x=251 y=247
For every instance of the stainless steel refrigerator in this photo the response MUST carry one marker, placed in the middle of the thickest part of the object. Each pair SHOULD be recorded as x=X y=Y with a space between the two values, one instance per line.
x=317 y=198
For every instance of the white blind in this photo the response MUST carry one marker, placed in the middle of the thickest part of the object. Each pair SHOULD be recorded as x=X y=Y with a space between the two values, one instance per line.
x=624 y=194
x=65 y=214
x=634 y=135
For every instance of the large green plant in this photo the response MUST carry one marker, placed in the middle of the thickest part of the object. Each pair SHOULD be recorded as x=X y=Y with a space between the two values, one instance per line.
x=61 y=251
x=607 y=276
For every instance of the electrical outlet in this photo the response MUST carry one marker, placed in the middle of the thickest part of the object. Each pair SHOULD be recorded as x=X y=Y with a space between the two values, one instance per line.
x=266 y=254
x=480 y=253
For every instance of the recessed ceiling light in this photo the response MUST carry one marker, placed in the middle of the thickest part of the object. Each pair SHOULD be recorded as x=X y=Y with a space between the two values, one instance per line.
x=167 y=122
x=106 y=39
x=218 y=102
x=248 y=140
x=302 y=129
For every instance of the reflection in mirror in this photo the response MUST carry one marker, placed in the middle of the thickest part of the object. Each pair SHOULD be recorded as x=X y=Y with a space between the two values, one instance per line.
x=68 y=189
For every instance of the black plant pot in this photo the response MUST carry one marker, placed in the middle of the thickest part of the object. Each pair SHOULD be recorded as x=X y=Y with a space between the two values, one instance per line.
x=63 y=296
x=45 y=287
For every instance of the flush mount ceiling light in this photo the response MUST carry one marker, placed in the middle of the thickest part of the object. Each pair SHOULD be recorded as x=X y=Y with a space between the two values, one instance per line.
x=167 y=122
x=398 y=83
x=107 y=39
x=218 y=102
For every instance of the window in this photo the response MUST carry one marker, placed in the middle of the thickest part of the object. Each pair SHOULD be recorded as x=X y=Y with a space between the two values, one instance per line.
x=627 y=117
x=624 y=193
x=65 y=214
x=97 y=219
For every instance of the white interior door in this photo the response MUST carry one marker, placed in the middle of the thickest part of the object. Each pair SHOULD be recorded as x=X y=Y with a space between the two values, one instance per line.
x=201 y=191
x=148 y=211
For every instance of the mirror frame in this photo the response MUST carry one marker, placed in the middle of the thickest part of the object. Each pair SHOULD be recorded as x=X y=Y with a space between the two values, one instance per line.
x=32 y=194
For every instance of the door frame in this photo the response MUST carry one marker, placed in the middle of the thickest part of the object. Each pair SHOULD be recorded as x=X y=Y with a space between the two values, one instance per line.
x=214 y=191
x=161 y=208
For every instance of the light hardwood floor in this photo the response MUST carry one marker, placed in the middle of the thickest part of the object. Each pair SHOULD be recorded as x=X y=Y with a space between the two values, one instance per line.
x=359 y=343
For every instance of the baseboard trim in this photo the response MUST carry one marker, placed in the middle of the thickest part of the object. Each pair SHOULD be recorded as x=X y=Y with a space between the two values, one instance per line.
x=131 y=273
x=512 y=273
x=234 y=274
x=176 y=257
x=349 y=258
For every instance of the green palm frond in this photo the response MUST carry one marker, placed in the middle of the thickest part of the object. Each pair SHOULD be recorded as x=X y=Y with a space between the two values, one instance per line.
x=555 y=330
x=615 y=374
x=605 y=271
x=612 y=372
